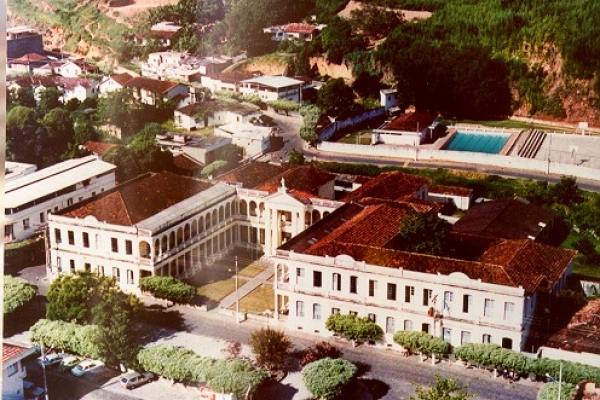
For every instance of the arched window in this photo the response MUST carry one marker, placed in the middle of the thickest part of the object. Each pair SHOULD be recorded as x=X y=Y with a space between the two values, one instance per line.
x=164 y=244
x=243 y=208
x=179 y=236
x=186 y=232
x=208 y=221
x=316 y=216
x=201 y=225
x=221 y=214
x=227 y=210
x=253 y=209
x=215 y=220
x=194 y=228
x=172 y=240
x=144 y=248
x=156 y=247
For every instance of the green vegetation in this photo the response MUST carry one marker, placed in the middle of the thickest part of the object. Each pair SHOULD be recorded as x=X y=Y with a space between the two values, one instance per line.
x=271 y=348
x=217 y=291
x=17 y=293
x=422 y=342
x=67 y=336
x=550 y=391
x=424 y=233
x=183 y=365
x=354 y=328
x=284 y=105
x=168 y=288
x=321 y=350
x=443 y=389
x=310 y=116
x=326 y=378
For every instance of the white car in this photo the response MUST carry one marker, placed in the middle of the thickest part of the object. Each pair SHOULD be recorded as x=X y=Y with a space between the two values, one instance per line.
x=49 y=360
x=86 y=366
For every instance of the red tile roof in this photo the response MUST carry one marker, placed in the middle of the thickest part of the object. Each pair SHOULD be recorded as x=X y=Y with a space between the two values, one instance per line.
x=139 y=199
x=389 y=186
x=121 y=79
x=98 y=147
x=70 y=83
x=12 y=352
x=185 y=162
x=152 y=85
x=508 y=218
x=33 y=80
x=307 y=179
x=28 y=58
x=582 y=332
x=410 y=122
x=253 y=174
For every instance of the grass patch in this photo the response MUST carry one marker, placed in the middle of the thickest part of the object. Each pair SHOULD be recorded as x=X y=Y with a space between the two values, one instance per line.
x=592 y=271
x=257 y=301
x=208 y=131
x=217 y=291
x=361 y=137
x=508 y=124
x=252 y=270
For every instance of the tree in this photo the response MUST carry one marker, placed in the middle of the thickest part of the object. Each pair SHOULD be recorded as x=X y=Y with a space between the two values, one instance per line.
x=353 y=327
x=69 y=298
x=270 y=347
x=424 y=233
x=567 y=192
x=326 y=378
x=59 y=132
x=338 y=39
x=121 y=110
x=335 y=97
x=443 y=389
x=49 y=99
x=375 y=21
x=321 y=350
x=125 y=161
x=21 y=126
x=25 y=97
x=550 y=391
x=296 y=157
x=311 y=115
x=283 y=105
x=17 y=293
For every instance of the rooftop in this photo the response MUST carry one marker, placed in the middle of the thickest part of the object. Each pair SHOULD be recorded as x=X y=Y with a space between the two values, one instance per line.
x=302 y=182
x=246 y=130
x=254 y=174
x=121 y=79
x=186 y=163
x=296 y=27
x=582 y=332
x=12 y=352
x=98 y=147
x=152 y=85
x=450 y=190
x=512 y=218
x=139 y=199
x=216 y=106
x=49 y=180
x=410 y=122
x=389 y=186
x=274 y=81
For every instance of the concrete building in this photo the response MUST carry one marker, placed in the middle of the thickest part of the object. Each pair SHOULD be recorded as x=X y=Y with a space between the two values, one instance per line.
x=151 y=91
x=29 y=199
x=157 y=224
x=347 y=263
x=203 y=149
x=275 y=87
x=255 y=140
x=113 y=83
x=460 y=197
x=13 y=371
x=21 y=40
x=295 y=30
x=218 y=113
x=14 y=170
x=409 y=129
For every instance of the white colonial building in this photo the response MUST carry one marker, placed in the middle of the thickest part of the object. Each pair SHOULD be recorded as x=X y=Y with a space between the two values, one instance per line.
x=29 y=199
x=217 y=113
x=13 y=371
x=348 y=263
x=157 y=224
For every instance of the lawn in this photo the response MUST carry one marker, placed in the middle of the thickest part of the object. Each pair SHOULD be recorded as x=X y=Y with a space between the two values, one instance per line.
x=252 y=270
x=592 y=271
x=257 y=301
x=364 y=134
x=217 y=291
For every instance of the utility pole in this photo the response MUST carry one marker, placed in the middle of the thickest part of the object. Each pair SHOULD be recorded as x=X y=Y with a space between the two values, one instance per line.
x=44 y=370
x=237 y=294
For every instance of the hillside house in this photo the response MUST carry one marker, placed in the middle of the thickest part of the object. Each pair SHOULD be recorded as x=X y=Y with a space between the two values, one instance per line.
x=270 y=88
x=218 y=113
x=409 y=129
x=151 y=91
x=21 y=40
x=297 y=31
x=114 y=83
x=204 y=149
x=255 y=140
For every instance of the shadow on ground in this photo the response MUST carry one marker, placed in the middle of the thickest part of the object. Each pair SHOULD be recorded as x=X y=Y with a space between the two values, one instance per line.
x=377 y=388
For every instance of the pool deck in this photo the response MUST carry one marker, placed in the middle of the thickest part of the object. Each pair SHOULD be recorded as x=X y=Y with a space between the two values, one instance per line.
x=509 y=145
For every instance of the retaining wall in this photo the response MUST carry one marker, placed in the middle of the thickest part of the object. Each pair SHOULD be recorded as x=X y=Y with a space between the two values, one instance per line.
x=428 y=154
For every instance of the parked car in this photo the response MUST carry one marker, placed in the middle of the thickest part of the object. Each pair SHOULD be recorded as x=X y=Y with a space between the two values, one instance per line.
x=68 y=362
x=134 y=379
x=49 y=360
x=85 y=366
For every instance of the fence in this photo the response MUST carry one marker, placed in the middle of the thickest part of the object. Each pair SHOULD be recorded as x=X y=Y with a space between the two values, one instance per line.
x=330 y=130
x=428 y=154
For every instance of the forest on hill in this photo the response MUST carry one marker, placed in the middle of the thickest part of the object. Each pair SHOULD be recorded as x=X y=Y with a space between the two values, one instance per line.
x=477 y=59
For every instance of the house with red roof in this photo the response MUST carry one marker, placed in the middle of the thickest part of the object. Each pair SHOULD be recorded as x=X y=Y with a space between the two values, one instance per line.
x=409 y=129
x=296 y=30
x=349 y=263
x=151 y=91
x=113 y=83
x=13 y=371
x=26 y=63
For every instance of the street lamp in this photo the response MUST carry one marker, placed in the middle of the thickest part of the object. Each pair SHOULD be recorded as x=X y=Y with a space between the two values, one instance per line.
x=237 y=294
x=44 y=370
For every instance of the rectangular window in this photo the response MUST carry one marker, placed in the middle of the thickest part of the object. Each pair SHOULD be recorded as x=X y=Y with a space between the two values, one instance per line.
x=427 y=293
x=71 y=237
x=409 y=291
x=447 y=334
x=391 y=291
x=425 y=327
x=69 y=202
x=100 y=270
x=114 y=244
x=59 y=264
x=316 y=311
x=128 y=247
x=317 y=278
x=372 y=286
x=87 y=267
x=130 y=277
x=353 y=284
x=299 y=309
x=467 y=300
x=390 y=325
x=42 y=217
x=98 y=240
x=488 y=307
x=72 y=265
x=116 y=273
x=336 y=281
x=335 y=310
x=509 y=309
x=86 y=239
x=408 y=325
x=448 y=297
x=12 y=369
x=299 y=274
x=57 y=235
x=26 y=223
x=372 y=317
x=353 y=313
x=487 y=339
x=465 y=337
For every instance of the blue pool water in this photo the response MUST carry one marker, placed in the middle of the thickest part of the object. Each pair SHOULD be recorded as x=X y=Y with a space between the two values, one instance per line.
x=490 y=143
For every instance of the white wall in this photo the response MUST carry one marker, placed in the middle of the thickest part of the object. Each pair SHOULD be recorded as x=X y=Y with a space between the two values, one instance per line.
x=558 y=354
x=423 y=154
x=12 y=386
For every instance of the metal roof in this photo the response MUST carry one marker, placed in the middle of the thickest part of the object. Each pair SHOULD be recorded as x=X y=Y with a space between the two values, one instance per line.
x=274 y=81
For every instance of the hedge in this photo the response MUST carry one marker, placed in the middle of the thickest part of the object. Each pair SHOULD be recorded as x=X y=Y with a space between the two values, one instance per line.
x=326 y=378
x=353 y=327
x=184 y=365
x=66 y=336
x=17 y=293
x=422 y=342
x=168 y=288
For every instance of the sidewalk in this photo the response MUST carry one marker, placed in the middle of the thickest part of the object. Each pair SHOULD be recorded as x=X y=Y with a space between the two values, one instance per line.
x=249 y=286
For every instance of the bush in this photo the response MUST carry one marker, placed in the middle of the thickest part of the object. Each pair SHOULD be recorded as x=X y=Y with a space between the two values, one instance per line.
x=326 y=378
x=67 y=336
x=550 y=391
x=319 y=351
x=283 y=105
x=17 y=293
x=270 y=347
x=353 y=327
x=422 y=342
x=168 y=288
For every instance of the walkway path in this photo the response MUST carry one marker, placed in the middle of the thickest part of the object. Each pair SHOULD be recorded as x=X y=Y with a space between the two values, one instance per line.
x=249 y=286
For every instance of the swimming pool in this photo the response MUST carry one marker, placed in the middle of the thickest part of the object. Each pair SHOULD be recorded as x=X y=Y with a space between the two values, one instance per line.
x=490 y=143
